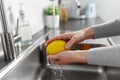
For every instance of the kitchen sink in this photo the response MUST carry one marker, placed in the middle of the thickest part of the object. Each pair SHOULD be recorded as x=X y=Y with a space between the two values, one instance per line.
x=77 y=71
x=34 y=66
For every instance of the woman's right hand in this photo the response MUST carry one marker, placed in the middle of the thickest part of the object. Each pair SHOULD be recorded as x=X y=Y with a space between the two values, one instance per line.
x=74 y=37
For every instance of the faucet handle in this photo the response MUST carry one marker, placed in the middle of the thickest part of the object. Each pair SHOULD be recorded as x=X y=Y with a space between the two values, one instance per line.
x=17 y=38
x=17 y=27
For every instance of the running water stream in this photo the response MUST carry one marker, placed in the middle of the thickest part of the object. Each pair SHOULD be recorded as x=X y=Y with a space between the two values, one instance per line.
x=57 y=71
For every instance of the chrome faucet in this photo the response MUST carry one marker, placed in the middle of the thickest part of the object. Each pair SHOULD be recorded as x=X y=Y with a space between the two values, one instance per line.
x=78 y=2
x=8 y=41
x=77 y=13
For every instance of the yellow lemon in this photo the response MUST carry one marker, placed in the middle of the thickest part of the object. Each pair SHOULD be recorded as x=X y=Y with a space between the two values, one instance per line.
x=56 y=47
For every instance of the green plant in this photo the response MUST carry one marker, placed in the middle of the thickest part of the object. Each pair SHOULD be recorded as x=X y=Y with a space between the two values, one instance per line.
x=49 y=10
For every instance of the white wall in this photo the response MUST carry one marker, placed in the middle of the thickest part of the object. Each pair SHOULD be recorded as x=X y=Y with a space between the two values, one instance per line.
x=109 y=9
x=33 y=10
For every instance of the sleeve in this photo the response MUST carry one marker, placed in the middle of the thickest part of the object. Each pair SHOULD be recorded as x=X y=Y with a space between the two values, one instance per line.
x=107 y=29
x=106 y=56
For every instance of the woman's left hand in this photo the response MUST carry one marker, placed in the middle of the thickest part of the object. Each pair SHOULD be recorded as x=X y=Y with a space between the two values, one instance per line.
x=67 y=57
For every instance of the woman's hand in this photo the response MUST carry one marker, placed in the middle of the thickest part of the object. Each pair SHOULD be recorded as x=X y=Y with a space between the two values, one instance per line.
x=67 y=57
x=74 y=37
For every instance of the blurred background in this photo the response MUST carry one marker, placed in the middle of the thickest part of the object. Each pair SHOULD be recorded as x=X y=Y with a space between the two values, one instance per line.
x=106 y=9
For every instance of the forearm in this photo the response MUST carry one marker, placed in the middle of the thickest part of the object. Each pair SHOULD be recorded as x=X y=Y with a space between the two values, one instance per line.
x=107 y=29
x=107 y=56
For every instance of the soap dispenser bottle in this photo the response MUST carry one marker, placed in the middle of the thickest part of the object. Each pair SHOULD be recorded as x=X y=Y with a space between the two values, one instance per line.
x=24 y=28
x=91 y=11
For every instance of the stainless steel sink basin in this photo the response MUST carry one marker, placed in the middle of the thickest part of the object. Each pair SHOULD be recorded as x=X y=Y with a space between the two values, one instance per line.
x=75 y=73
x=112 y=73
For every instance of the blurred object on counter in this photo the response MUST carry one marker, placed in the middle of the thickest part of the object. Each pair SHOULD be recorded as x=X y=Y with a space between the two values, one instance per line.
x=78 y=7
x=75 y=8
x=91 y=10
x=48 y=11
x=63 y=13
x=24 y=28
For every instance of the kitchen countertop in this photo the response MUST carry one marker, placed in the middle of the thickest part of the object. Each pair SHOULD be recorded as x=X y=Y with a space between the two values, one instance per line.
x=76 y=24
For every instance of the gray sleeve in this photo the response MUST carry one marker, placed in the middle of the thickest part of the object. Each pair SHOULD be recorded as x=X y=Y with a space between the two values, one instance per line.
x=107 y=56
x=107 y=29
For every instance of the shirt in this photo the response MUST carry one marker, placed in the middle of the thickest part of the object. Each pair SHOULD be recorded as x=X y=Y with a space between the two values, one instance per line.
x=107 y=56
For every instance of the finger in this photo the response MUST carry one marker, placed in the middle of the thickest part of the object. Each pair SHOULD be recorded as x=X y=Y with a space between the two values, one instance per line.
x=49 y=41
x=51 y=57
x=53 y=39
x=71 y=42
x=62 y=36
x=59 y=62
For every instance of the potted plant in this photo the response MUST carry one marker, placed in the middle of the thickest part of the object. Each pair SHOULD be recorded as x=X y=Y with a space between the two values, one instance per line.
x=49 y=19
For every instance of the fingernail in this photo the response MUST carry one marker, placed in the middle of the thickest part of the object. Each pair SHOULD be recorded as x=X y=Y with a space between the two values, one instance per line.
x=45 y=44
x=67 y=47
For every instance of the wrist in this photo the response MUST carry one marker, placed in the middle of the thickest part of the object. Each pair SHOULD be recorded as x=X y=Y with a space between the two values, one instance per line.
x=81 y=56
x=89 y=33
